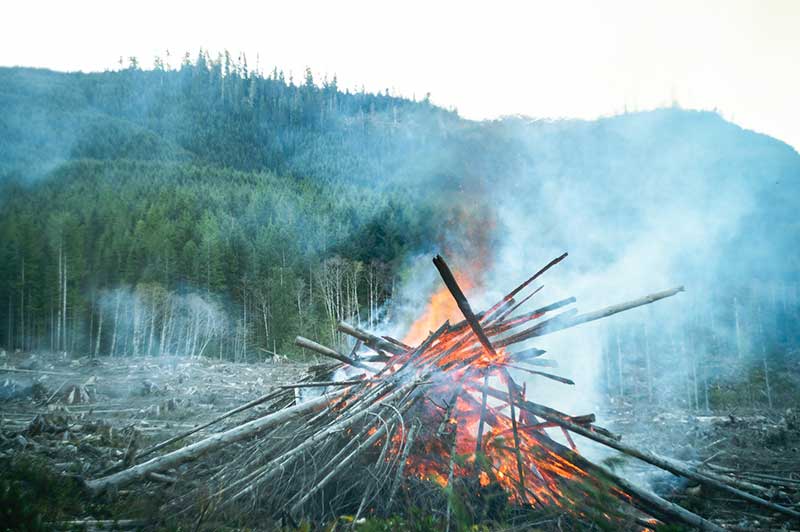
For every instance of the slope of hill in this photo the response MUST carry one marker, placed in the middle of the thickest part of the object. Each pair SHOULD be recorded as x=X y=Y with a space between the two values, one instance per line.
x=283 y=207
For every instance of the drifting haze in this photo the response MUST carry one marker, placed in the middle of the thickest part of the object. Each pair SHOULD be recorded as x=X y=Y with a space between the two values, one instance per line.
x=642 y=202
x=320 y=197
x=576 y=59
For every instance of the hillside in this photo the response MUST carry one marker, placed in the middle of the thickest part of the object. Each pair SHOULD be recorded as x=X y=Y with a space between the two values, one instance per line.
x=214 y=210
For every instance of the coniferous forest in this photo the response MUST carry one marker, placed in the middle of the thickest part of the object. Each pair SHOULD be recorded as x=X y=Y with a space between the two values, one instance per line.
x=214 y=209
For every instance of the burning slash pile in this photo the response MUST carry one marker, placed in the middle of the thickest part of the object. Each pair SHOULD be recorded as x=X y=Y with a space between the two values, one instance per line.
x=440 y=427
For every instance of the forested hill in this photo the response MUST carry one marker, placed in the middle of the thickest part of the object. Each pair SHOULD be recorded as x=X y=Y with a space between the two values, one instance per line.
x=213 y=113
x=211 y=209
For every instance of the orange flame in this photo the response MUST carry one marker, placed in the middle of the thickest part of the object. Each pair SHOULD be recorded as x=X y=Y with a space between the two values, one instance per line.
x=440 y=308
x=515 y=454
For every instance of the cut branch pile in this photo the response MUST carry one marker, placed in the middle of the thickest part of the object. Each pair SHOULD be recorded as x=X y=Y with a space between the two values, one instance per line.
x=442 y=427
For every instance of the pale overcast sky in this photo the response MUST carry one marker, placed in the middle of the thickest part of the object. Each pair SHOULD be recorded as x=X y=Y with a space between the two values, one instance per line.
x=539 y=58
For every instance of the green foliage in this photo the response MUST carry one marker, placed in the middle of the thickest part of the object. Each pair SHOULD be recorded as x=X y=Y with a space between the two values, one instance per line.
x=31 y=495
x=210 y=179
x=167 y=228
x=214 y=113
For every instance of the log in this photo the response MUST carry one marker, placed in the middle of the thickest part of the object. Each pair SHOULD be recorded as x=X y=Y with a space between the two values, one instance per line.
x=542 y=362
x=508 y=323
x=519 y=288
x=585 y=420
x=640 y=497
x=463 y=305
x=38 y=372
x=159 y=477
x=737 y=482
x=483 y=317
x=664 y=507
x=356 y=347
x=411 y=356
x=368 y=489
x=451 y=470
x=328 y=352
x=324 y=384
x=463 y=323
x=255 y=478
x=621 y=307
x=502 y=313
x=505 y=306
x=374 y=342
x=397 y=342
x=559 y=323
x=548 y=425
x=212 y=443
x=482 y=418
x=557 y=378
x=402 y=464
x=532 y=331
x=553 y=306
x=673 y=466
x=342 y=465
x=272 y=467
x=229 y=413
x=526 y=354
x=95 y=524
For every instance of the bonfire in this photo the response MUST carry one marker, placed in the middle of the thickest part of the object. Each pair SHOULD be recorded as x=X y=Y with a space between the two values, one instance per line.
x=440 y=428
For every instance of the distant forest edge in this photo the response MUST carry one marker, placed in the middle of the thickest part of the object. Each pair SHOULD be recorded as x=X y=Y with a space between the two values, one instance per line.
x=213 y=210
x=205 y=203
x=213 y=112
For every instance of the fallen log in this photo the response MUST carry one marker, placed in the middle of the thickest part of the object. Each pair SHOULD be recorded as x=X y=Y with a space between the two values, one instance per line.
x=330 y=353
x=643 y=499
x=543 y=362
x=401 y=467
x=532 y=331
x=278 y=464
x=38 y=372
x=527 y=354
x=673 y=466
x=374 y=342
x=324 y=384
x=397 y=342
x=95 y=524
x=557 y=378
x=229 y=413
x=344 y=463
x=195 y=450
x=663 y=506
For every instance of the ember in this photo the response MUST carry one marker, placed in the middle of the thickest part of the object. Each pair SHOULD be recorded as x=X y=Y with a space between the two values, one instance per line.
x=445 y=413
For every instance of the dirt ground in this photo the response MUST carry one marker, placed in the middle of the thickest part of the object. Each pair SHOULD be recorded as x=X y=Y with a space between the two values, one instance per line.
x=78 y=417
x=158 y=396
x=762 y=447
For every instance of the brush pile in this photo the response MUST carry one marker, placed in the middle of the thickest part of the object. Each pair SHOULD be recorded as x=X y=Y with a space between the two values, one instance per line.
x=440 y=428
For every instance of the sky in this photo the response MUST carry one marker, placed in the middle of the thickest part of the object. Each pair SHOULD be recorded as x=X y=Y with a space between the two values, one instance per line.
x=544 y=59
